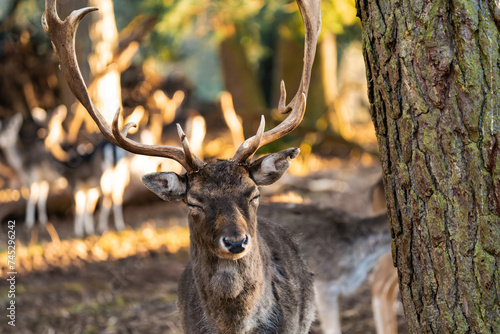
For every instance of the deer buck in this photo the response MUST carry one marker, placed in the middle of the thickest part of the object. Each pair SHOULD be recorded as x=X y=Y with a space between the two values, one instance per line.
x=245 y=274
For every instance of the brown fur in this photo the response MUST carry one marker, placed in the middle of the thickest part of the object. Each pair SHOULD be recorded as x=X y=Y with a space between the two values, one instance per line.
x=266 y=290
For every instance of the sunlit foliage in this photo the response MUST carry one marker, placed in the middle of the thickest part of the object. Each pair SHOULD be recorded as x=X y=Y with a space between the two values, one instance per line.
x=182 y=20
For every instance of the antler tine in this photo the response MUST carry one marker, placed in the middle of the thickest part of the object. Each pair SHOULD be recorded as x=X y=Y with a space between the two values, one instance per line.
x=62 y=35
x=191 y=159
x=311 y=16
x=250 y=146
x=127 y=144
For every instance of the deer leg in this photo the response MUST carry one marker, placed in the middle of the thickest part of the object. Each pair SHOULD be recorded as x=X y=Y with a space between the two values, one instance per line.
x=106 y=189
x=393 y=290
x=384 y=281
x=80 y=200
x=88 y=220
x=104 y=214
x=90 y=204
x=30 y=206
x=42 y=202
x=120 y=177
x=118 y=213
x=384 y=306
x=117 y=197
x=328 y=307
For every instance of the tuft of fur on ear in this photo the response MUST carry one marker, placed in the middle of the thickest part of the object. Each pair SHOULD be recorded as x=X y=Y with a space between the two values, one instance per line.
x=168 y=186
x=270 y=168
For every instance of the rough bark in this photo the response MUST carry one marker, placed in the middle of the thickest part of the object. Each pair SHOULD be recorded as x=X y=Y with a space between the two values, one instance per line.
x=434 y=87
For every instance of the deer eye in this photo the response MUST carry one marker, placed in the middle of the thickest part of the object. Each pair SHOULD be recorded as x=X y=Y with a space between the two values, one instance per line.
x=255 y=199
x=194 y=206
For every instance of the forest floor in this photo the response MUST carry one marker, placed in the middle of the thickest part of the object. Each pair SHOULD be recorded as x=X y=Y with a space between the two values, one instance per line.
x=138 y=294
x=133 y=295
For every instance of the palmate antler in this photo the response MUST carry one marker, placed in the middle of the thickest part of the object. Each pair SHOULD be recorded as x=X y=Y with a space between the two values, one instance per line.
x=311 y=16
x=62 y=35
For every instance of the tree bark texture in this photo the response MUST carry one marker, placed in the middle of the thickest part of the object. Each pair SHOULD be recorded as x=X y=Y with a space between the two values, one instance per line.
x=433 y=70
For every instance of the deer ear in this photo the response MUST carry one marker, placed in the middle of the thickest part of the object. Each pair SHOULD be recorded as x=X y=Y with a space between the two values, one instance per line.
x=168 y=186
x=270 y=168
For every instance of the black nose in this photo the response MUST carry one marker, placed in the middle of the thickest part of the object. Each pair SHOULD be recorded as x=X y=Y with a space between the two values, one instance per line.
x=236 y=245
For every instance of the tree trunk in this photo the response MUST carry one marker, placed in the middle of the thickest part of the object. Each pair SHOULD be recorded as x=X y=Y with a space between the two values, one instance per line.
x=104 y=36
x=288 y=67
x=433 y=84
x=240 y=80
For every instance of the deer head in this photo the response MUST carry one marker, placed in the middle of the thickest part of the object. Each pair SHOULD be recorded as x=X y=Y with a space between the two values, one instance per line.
x=222 y=196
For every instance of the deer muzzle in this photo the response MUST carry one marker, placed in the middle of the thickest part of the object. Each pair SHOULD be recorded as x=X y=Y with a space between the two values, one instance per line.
x=236 y=245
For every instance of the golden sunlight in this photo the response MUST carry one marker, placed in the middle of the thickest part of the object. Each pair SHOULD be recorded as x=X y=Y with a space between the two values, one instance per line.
x=109 y=246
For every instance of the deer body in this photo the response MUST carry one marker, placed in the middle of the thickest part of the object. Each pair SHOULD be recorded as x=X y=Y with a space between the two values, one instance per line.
x=344 y=251
x=37 y=176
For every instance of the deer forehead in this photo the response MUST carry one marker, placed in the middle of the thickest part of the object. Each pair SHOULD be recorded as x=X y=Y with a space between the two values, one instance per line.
x=221 y=178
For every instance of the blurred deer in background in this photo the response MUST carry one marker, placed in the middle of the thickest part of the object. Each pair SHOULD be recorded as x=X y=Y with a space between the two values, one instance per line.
x=33 y=163
x=168 y=106
x=162 y=113
x=86 y=195
x=341 y=249
x=42 y=165
x=243 y=276
x=103 y=173
x=114 y=179
x=384 y=282
x=345 y=251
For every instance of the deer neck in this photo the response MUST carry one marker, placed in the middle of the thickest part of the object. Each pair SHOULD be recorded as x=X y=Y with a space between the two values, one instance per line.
x=234 y=292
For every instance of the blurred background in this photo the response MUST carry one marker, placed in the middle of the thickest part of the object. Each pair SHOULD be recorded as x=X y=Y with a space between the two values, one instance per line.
x=95 y=251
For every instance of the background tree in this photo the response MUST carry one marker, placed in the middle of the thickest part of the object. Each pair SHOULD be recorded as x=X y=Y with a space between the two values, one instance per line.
x=251 y=43
x=104 y=36
x=433 y=69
